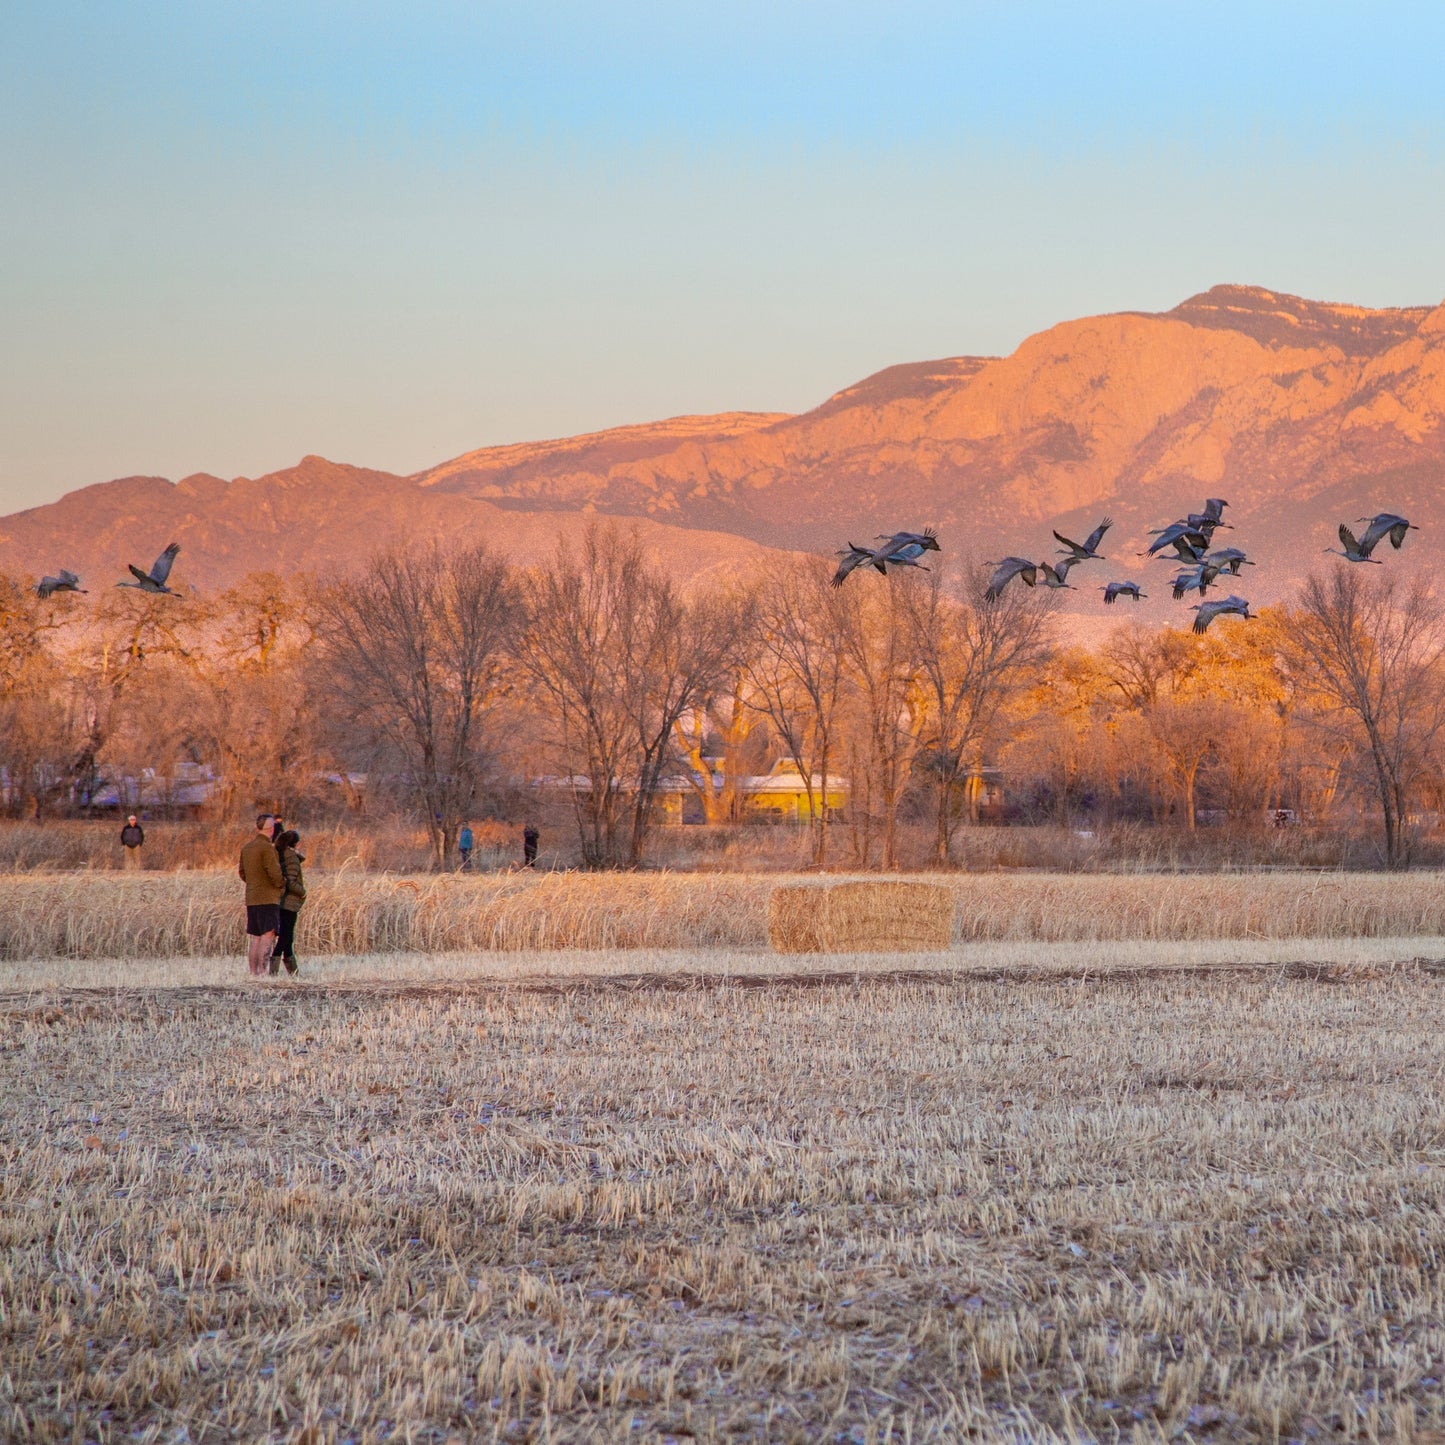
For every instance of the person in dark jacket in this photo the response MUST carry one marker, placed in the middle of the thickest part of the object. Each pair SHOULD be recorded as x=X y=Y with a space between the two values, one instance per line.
x=465 y=843
x=260 y=869
x=529 y=846
x=132 y=836
x=291 y=900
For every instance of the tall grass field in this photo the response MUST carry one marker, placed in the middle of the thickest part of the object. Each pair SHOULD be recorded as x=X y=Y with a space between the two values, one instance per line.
x=167 y=915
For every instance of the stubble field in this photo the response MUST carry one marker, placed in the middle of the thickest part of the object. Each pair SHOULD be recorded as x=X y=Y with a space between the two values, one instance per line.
x=929 y=1199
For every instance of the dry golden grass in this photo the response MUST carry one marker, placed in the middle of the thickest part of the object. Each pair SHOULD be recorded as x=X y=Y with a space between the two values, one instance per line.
x=199 y=914
x=1202 y=1205
x=863 y=917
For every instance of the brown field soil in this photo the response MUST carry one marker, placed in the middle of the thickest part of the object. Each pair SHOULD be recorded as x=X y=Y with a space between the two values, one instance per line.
x=160 y=915
x=1146 y=1202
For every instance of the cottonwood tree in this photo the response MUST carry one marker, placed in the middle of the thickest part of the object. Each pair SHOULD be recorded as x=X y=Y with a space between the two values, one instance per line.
x=1185 y=733
x=618 y=654
x=889 y=709
x=1368 y=653
x=414 y=653
x=795 y=670
x=973 y=656
x=42 y=741
x=258 y=719
x=728 y=724
x=33 y=740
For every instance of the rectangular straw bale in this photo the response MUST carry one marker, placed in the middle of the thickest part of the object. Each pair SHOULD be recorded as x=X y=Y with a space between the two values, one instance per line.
x=860 y=918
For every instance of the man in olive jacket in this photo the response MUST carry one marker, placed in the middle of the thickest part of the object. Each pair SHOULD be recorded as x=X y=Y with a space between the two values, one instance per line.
x=265 y=883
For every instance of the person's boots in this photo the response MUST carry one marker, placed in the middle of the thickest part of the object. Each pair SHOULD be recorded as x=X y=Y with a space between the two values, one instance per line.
x=274 y=966
x=292 y=967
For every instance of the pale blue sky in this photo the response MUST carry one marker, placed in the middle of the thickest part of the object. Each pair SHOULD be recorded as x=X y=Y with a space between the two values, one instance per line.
x=234 y=234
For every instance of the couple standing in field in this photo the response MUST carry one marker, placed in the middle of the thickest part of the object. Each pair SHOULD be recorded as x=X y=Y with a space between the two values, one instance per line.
x=275 y=890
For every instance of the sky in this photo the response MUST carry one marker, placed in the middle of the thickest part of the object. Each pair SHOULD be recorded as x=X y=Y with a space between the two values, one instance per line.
x=235 y=234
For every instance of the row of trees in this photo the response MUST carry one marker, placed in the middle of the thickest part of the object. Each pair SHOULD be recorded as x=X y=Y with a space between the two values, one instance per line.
x=608 y=677
x=452 y=680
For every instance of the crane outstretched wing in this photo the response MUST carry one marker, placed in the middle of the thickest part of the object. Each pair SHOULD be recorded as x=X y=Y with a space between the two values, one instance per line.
x=162 y=568
x=1006 y=571
x=1386 y=524
x=853 y=557
x=1175 y=534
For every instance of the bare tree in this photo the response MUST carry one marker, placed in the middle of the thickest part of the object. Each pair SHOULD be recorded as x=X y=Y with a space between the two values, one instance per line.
x=973 y=657
x=728 y=724
x=415 y=651
x=1185 y=734
x=884 y=673
x=1247 y=762
x=621 y=655
x=42 y=745
x=796 y=675
x=1146 y=665
x=1369 y=654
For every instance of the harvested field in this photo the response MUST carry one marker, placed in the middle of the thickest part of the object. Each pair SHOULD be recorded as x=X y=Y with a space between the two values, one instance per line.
x=166 y=915
x=584 y=967
x=1199 y=1205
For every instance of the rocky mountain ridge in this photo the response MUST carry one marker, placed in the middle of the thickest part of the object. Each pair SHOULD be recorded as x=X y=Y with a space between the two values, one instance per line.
x=1300 y=413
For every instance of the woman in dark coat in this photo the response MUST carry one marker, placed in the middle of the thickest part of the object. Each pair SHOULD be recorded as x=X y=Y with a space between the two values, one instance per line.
x=291 y=900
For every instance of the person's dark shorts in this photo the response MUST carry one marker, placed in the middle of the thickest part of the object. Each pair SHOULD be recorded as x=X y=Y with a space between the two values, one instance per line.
x=263 y=918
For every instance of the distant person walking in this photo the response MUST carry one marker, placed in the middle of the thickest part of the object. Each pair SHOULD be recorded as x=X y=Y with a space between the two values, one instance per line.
x=464 y=847
x=529 y=846
x=291 y=899
x=260 y=870
x=132 y=836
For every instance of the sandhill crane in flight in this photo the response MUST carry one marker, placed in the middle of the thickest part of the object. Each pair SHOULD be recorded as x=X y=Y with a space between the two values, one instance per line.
x=65 y=582
x=1089 y=550
x=1197 y=578
x=1005 y=573
x=1122 y=589
x=1188 y=541
x=1206 y=612
x=1056 y=575
x=855 y=556
x=903 y=549
x=1354 y=550
x=1210 y=518
x=1382 y=525
x=1228 y=559
x=155 y=579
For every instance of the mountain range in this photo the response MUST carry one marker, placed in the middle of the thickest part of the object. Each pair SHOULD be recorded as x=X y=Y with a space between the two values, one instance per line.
x=1301 y=414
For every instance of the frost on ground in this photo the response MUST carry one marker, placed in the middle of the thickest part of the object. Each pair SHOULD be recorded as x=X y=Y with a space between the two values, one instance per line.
x=1203 y=1202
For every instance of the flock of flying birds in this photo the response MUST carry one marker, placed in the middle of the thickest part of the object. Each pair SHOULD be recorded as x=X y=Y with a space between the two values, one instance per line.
x=152 y=581
x=1188 y=542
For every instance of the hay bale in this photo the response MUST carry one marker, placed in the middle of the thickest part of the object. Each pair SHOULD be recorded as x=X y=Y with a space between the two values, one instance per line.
x=860 y=918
